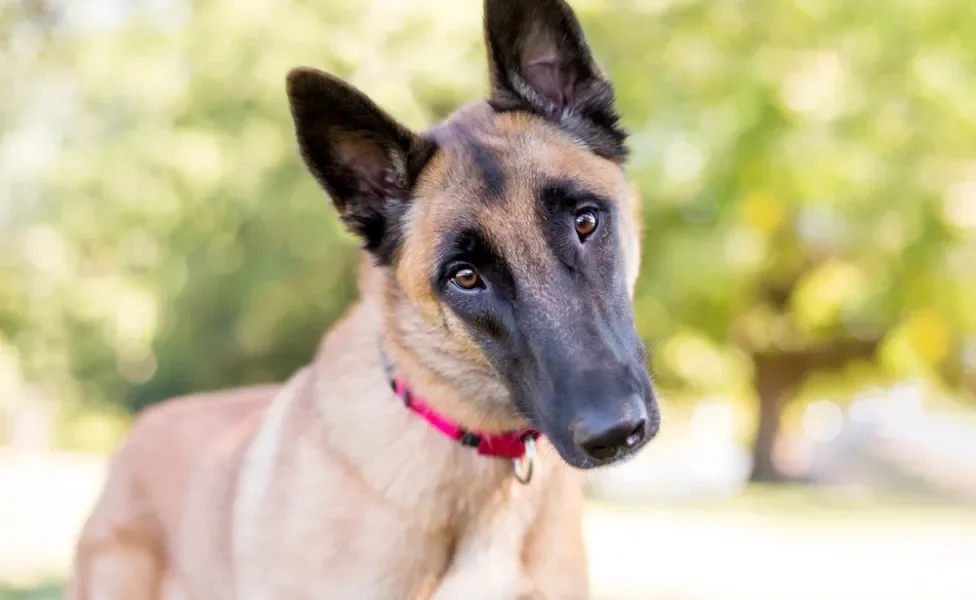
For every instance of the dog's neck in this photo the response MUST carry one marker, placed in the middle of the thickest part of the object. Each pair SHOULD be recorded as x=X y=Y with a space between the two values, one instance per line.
x=468 y=393
x=356 y=412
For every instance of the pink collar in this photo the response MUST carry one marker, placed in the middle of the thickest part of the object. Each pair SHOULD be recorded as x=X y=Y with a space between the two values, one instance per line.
x=510 y=444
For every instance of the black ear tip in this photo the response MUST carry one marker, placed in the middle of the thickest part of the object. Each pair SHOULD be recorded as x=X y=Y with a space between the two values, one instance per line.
x=301 y=80
x=506 y=6
x=501 y=12
x=305 y=81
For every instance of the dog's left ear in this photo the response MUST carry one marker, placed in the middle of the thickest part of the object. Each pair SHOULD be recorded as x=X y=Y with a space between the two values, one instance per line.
x=539 y=61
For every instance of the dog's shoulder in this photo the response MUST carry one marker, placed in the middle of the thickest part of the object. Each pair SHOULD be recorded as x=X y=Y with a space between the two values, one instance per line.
x=169 y=440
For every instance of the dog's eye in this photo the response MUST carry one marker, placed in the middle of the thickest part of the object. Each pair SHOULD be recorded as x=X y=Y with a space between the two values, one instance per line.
x=586 y=222
x=467 y=278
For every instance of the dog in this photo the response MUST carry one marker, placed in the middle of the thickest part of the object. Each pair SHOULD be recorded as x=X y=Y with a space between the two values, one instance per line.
x=436 y=446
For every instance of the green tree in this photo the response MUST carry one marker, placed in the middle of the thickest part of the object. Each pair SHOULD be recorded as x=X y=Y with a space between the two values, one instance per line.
x=809 y=183
x=807 y=173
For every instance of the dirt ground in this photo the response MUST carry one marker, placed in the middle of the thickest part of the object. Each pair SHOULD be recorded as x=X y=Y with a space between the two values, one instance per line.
x=765 y=545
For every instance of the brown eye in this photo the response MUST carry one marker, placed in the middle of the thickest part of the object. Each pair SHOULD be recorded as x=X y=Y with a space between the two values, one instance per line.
x=586 y=223
x=467 y=278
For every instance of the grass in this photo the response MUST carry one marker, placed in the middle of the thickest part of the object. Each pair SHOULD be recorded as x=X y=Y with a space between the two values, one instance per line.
x=45 y=590
x=768 y=542
x=799 y=503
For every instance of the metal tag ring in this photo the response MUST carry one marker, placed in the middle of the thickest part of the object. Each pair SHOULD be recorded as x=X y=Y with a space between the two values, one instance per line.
x=522 y=467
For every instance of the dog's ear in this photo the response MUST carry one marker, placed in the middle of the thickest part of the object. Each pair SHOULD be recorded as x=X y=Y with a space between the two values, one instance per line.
x=539 y=61
x=364 y=159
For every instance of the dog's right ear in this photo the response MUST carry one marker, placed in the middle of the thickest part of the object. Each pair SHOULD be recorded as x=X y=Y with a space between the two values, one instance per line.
x=365 y=160
x=539 y=61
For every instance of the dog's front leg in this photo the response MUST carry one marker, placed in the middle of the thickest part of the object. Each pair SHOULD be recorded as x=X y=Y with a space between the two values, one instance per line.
x=554 y=553
x=486 y=564
x=529 y=547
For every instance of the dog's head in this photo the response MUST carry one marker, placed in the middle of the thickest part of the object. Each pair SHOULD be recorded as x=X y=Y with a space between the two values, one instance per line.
x=507 y=237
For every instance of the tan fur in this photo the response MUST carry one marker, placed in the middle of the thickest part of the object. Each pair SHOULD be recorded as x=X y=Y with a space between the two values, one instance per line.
x=530 y=152
x=326 y=486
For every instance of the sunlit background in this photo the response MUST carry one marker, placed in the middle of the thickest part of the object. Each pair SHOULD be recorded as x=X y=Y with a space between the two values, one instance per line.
x=808 y=170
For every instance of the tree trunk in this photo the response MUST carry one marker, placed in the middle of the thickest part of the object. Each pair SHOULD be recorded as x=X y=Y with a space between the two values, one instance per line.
x=777 y=375
x=774 y=379
x=763 y=464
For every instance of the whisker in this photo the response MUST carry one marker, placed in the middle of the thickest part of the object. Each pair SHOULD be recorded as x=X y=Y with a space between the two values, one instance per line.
x=549 y=452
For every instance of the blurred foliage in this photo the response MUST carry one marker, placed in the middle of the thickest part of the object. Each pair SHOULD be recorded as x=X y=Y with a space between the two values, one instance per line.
x=807 y=169
x=49 y=591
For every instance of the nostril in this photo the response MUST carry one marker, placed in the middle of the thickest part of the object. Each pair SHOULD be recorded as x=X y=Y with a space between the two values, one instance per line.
x=610 y=443
x=637 y=435
x=600 y=451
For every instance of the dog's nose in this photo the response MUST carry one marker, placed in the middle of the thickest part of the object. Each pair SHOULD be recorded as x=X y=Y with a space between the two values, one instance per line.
x=604 y=439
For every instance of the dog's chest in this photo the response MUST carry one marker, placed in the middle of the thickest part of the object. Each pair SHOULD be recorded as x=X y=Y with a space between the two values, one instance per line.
x=307 y=524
